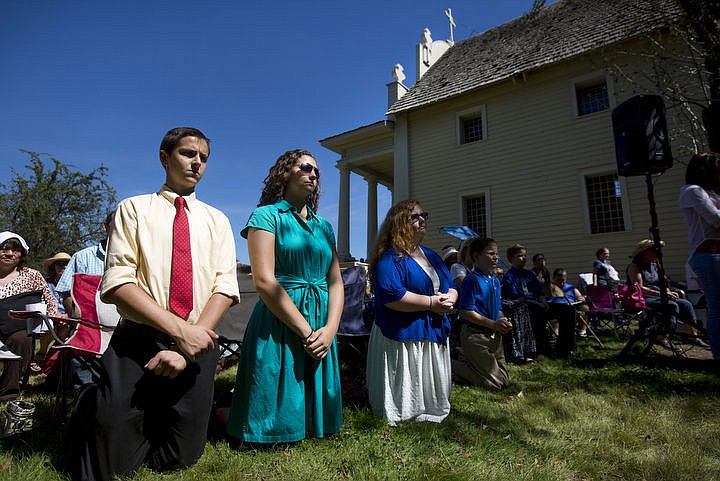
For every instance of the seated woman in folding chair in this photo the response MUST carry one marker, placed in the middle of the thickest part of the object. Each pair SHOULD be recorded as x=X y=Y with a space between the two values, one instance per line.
x=568 y=306
x=644 y=271
x=604 y=274
x=19 y=286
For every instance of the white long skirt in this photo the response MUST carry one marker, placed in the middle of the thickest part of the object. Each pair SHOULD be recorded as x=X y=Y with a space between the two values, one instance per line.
x=408 y=381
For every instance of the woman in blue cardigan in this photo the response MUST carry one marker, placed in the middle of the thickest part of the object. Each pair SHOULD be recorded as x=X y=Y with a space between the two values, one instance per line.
x=408 y=367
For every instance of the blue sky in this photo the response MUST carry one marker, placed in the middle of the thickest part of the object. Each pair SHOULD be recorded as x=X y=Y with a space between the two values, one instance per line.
x=97 y=82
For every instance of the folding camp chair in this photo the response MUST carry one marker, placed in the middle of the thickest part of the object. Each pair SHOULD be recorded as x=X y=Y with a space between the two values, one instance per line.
x=89 y=334
x=603 y=311
x=231 y=328
x=356 y=319
x=610 y=311
x=584 y=279
x=657 y=327
x=580 y=318
x=10 y=325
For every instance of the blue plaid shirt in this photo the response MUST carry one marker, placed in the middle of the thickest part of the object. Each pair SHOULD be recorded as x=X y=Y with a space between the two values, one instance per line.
x=90 y=260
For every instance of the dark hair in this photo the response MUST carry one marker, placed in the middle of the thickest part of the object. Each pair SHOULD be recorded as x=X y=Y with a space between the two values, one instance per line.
x=277 y=178
x=599 y=252
x=173 y=136
x=109 y=218
x=13 y=243
x=537 y=256
x=479 y=244
x=514 y=249
x=559 y=271
x=702 y=170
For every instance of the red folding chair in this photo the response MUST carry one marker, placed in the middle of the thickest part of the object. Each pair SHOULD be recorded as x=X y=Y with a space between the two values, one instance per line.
x=604 y=312
x=89 y=337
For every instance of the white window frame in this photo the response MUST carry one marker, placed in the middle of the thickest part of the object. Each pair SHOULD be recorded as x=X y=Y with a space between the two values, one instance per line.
x=589 y=79
x=468 y=114
x=485 y=191
x=625 y=201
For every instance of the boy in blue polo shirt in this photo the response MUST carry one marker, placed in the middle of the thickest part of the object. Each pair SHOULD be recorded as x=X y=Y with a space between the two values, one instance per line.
x=483 y=322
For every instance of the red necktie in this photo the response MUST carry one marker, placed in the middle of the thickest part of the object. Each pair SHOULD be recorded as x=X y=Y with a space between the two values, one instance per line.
x=181 y=278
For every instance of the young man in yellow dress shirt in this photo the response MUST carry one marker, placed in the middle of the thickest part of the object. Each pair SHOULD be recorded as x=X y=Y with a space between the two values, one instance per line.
x=153 y=403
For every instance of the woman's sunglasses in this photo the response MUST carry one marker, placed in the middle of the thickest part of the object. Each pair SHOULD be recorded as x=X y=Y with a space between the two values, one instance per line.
x=417 y=216
x=308 y=168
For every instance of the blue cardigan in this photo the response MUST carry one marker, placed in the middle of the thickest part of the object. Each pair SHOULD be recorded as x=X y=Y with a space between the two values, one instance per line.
x=393 y=277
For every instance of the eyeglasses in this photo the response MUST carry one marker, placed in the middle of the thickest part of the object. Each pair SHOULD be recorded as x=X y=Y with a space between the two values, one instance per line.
x=417 y=216
x=308 y=168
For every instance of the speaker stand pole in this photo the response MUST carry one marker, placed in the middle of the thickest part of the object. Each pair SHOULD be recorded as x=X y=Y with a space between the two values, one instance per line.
x=662 y=324
x=655 y=233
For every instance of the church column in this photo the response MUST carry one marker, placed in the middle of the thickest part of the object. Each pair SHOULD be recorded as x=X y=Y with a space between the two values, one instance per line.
x=372 y=218
x=343 y=234
x=401 y=180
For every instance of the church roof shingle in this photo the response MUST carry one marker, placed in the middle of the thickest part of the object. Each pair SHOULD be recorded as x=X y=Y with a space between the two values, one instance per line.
x=555 y=33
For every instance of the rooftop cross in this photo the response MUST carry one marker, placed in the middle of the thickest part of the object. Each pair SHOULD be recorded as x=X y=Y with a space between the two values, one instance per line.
x=448 y=14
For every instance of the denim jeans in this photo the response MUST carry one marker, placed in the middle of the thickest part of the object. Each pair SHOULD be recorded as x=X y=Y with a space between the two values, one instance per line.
x=707 y=267
x=680 y=308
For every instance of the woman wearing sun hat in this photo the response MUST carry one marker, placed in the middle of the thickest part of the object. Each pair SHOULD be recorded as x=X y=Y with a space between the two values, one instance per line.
x=644 y=270
x=54 y=267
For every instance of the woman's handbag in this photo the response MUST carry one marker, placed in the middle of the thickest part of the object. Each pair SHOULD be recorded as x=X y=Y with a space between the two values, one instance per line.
x=17 y=302
x=631 y=297
x=17 y=418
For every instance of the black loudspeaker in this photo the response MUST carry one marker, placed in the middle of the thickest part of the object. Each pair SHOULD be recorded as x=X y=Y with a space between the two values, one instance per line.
x=641 y=139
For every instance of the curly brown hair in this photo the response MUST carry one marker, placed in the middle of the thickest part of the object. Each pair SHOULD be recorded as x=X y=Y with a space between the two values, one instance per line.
x=395 y=232
x=277 y=178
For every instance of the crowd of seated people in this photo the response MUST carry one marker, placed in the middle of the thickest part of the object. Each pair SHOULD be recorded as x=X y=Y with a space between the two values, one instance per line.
x=541 y=306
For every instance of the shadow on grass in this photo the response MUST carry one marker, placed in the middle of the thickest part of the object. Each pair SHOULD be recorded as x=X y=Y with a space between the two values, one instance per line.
x=478 y=414
x=48 y=439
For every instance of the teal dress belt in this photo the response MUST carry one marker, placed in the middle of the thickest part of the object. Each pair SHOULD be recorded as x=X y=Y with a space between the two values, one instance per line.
x=309 y=288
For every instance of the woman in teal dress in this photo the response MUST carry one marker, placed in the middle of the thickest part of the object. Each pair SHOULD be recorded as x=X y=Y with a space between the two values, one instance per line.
x=288 y=381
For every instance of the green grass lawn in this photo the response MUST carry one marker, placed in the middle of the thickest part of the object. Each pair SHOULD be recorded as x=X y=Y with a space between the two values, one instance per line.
x=587 y=419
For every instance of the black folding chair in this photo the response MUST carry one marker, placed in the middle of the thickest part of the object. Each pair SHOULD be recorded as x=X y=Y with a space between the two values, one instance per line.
x=356 y=320
x=66 y=348
x=231 y=329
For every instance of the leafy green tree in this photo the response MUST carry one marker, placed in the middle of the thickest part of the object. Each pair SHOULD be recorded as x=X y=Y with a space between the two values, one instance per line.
x=55 y=207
